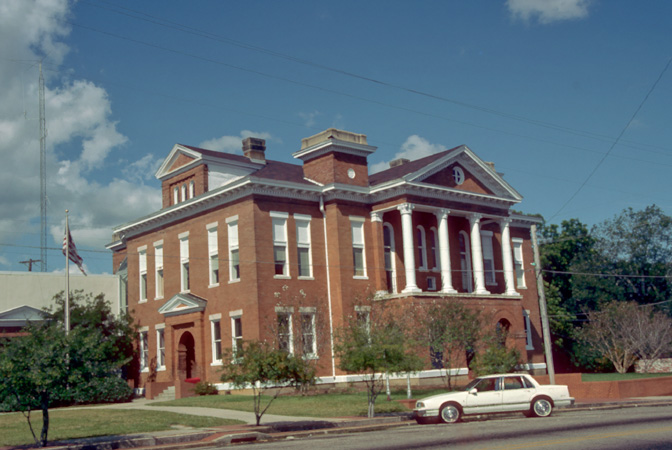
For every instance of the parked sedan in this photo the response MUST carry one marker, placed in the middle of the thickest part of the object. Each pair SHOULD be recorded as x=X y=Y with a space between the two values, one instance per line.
x=493 y=394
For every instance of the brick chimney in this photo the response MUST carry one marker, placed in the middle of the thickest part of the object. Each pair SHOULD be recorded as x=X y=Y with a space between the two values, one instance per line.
x=255 y=149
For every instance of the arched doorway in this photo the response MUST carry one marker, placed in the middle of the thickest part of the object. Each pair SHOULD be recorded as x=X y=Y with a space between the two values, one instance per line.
x=186 y=356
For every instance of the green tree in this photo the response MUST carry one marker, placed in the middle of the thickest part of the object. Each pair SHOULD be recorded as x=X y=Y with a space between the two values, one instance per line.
x=47 y=367
x=374 y=343
x=261 y=366
x=449 y=329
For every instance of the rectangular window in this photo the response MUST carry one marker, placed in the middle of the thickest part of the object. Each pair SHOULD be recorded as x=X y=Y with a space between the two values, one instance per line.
x=158 y=268
x=236 y=332
x=234 y=258
x=308 y=341
x=160 y=348
x=363 y=315
x=422 y=248
x=518 y=261
x=142 y=263
x=285 y=341
x=528 y=330
x=433 y=249
x=488 y=257
x=184 y=261
x=216 y=333
x=280 y=244
x=358 y=256
x=144 y=350
x=213 y=254
x=303 y=245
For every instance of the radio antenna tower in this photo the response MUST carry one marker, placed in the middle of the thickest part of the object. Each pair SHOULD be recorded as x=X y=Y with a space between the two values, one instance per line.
x=43 y=178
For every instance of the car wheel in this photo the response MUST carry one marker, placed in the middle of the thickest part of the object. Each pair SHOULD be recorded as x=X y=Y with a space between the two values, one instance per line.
x=541 y=407
x=450 y=413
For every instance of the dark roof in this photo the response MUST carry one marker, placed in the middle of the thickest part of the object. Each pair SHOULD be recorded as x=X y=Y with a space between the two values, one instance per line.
x=394 y=173
x=272 y=170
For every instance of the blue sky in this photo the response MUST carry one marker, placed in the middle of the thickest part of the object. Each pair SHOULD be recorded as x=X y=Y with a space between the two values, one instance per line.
x=569 y=98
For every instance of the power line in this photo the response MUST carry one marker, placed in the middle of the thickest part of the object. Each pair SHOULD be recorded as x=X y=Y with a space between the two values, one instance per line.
x=632 y=118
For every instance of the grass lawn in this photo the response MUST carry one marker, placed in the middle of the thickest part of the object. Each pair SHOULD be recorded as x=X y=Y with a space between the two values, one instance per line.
x=70 y=423
x=620 y=376
x=322 y=405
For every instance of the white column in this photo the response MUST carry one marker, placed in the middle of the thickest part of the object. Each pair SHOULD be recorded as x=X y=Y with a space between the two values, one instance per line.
x=477 y=254
x=406 y=210
x=444 y=252
x=507 y=257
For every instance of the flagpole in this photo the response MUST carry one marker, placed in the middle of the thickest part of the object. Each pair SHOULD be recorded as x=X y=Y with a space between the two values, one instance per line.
x=67 y=275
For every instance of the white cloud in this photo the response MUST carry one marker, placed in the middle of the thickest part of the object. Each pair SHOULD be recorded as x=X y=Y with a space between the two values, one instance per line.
x=547 y=11
x=80 y=138
x=415 y=147
x=309 y=118
x=232 y=144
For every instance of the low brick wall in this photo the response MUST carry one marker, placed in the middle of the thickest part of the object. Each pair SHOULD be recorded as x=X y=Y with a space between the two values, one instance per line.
x=611 y=390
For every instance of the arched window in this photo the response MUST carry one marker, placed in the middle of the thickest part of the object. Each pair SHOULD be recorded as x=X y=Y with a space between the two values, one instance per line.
x=422 y=248
x=434 y=259
x=191 y=189
x=465 y=262
x=389 y=252
x=502 y=329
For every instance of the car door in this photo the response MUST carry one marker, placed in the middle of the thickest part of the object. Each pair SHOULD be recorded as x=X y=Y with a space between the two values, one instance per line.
x=516 y=394
x=485 y=397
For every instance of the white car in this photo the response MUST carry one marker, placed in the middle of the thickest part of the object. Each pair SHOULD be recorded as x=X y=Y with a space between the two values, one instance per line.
x=493 y=394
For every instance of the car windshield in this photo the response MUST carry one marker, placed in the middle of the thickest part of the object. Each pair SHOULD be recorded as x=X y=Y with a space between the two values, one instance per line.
x=472 y=384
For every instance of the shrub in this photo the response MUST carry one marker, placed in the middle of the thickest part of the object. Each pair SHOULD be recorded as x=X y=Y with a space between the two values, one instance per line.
x=205 y=388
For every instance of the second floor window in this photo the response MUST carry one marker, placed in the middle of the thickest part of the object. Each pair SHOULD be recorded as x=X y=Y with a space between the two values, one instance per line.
x=422 y=247
x=518 y=262
x=184 y=262
x=213 y=254
x=142 y=261
x=158 y=267
x=488 y=257
x=280 y=244
x=303 y=245
x=234 y=258
x=358 y=257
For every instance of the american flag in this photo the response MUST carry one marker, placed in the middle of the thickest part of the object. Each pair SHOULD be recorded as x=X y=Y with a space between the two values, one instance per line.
x=72 y=252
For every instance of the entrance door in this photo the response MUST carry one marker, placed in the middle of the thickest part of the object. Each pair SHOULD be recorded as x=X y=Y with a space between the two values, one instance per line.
x=186 y=356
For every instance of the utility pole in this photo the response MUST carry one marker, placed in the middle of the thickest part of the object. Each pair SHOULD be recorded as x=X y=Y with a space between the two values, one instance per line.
x=543 y=311
x=29 y=263
x=43 y=178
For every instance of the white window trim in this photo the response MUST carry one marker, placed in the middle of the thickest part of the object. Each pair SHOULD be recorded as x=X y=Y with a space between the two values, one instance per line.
x=278 y=243
x=142 y=270
x=184 y=237
x=160 y=328
x=216 y=319
x=421 y=245
x=289 y=312
x=487 y=247
x=158 y=265
x=233 y=245
x=361 y=221
x=143 y=349
x=233 y=315
x=515 y=242
x=434 y=236
x=310 y=311
x=213 y=250
x=528 y=330
x=303 y=218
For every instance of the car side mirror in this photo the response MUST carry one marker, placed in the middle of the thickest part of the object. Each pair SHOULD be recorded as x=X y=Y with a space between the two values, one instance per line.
x=473 y=391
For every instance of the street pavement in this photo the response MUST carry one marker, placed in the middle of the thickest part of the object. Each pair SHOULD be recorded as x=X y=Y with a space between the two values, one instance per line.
x=273 y=427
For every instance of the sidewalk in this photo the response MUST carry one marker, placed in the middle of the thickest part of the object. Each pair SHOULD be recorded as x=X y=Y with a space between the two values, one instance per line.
x=275 y=426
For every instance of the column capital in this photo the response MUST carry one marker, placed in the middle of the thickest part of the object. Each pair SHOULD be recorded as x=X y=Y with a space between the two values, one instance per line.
x=475 y=218
x=505 y=221
x=441 y=213
x=406 y=208
x=376 y=216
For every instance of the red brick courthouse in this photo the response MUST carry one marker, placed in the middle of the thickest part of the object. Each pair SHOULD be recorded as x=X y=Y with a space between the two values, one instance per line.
x=204 y=270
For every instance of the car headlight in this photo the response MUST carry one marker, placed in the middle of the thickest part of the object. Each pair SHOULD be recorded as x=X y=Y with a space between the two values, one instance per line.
x=419 y=405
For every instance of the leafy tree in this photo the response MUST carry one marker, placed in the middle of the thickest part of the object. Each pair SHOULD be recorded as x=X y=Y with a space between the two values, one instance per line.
x=374 y=343
x=47 y=367
x=623 y=332
x=450 y=329
x=495 y=356
x=261 y=366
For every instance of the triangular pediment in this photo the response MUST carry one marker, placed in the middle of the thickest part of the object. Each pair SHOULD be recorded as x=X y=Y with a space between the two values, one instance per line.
x=462 y=170
x=183 y=303
x=179 y=158
x=20 y=316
